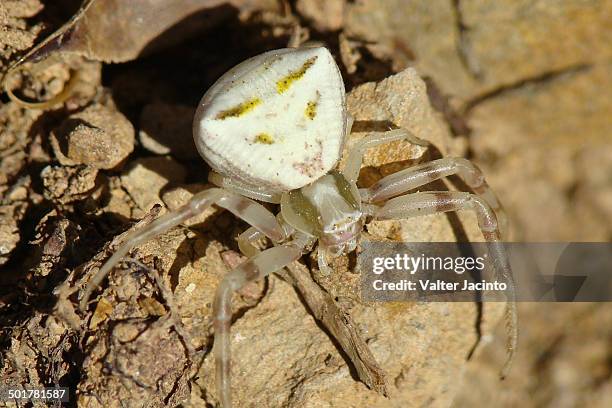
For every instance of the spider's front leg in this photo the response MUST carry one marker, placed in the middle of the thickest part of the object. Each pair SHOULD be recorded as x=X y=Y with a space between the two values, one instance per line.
x=248 y=210
x=420 y=175
x=357 y=151
x=257 y=267
x=418 y=204
x=417 y=176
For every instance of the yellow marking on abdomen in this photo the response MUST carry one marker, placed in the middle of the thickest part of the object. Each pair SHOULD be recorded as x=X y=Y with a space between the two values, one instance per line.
x=311 y=110
x=264 y=138
x=283 y=84
x=239 y=109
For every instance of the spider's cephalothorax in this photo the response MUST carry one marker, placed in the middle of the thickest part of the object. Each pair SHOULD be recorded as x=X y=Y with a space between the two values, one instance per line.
x=328 y=209
x=273 y=129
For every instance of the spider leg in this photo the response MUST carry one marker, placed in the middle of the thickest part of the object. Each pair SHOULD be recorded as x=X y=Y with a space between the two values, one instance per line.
x=257 y=267
x=417 y=204
x=244 y=208
x=417 y=176
x=322 y=261
x=254 y=214
x=252 y=234
x=356 y=152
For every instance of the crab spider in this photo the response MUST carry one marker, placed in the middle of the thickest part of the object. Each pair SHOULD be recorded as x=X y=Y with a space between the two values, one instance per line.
x=272 y=129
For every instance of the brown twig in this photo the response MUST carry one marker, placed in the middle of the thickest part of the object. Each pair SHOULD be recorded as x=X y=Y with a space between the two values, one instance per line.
x=340 y=325
x=337 y=321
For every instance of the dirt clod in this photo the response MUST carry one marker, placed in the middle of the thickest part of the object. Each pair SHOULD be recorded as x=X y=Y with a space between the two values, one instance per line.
x=16 y=34
x=10 y=215
x=98 y=136
x=145 y=179
x=68 y=184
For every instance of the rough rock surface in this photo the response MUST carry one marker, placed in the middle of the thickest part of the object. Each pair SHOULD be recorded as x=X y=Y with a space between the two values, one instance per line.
x=470 y=47
x=67 y=184
x=17 y=126
x=577 y=153
x=10 y=215
x=14 y=140
x=399 y=101
x=569 y=369
x=281 y=355
x=325 y=15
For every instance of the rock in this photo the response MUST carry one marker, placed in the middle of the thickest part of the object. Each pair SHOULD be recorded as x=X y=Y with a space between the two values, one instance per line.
x=191 y=265
x=87 y=84
x=16 y=125
x=417 y=345
x=54 y=237
x=470 y=48
x=545 y=148
x=120 y=203
x=17 y=146
x=421 y=34
x=324 y=15
x=422 y=347
x=51 y=335
x=596 y=189
x=531 y=79
x=537 y=137
x=153 y=355
x=553 y=344
x=167 y=129
x=13 y=22
x=98 y=136
x=513 y=40
x=399 y=101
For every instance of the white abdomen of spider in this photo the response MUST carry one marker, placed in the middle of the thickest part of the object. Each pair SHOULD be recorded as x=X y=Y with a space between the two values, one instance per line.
x=275 y=121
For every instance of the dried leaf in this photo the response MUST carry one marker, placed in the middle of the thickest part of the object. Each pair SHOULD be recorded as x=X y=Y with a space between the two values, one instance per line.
x=340 y=325
x=103 y=310
x=151 y=307
x=120 y=30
